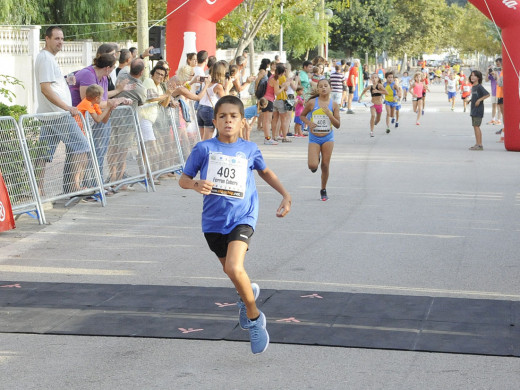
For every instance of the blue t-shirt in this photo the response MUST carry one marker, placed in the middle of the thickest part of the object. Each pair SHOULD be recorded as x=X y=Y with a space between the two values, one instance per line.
x=250 y=112
x=221 y=214
x=405 y=81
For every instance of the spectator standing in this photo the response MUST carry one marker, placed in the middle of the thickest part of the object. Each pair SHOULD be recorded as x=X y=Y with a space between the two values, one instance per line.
x=98 y=73
x=336 y=81
x=261 y=79
x=125 y=58
x=214 y=91
x=281 y=117
x=305 y=78
x=351 y=84
x=366 y=76
x=478 y=95
x=122 y=139
x=54 y=96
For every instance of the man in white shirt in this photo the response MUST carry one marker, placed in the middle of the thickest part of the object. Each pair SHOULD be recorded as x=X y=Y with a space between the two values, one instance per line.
x=54 y=96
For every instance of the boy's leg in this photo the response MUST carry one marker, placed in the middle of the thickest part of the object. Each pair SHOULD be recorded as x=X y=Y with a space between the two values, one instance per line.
x=233 y=265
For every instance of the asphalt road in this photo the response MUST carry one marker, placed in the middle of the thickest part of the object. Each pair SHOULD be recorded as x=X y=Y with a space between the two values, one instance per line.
x=411 y=212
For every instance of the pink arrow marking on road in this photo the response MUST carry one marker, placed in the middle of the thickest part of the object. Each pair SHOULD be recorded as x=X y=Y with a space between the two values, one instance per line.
x=311 y=296
x=190 y=330
x=290 y=319
x=225 y=304
x=17 y=285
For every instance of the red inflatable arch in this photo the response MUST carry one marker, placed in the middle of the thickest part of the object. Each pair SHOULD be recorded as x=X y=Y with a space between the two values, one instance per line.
x=198 y=17
x=506 y=14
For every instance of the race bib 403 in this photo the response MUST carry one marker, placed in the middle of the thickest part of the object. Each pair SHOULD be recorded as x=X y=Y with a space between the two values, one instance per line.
x=229 y=175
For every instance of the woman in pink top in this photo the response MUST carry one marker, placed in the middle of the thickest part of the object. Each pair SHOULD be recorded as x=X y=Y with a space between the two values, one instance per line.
x=417 y=89
x=268 y=112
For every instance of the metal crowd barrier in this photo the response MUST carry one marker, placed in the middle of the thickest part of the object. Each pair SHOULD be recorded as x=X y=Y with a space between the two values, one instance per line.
x=118 y=148
x=53 y=156
x=61 y=153
x=161 y=140
x=188 y=131
x=17 y=171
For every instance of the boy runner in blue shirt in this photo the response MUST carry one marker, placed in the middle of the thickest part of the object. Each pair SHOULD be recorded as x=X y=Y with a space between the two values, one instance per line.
x=230 y=206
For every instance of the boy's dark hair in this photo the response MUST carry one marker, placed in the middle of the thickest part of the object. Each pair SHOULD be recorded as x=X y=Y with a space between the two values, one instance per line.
x=202 y=56
x=389 y=74
x=133 y=50
x=228 y=99
x=478 y=73
x=306 y=63
x=48 y=32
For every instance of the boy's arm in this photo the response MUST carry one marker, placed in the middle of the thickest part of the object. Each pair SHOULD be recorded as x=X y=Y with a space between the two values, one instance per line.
x=201 y=186
x=270 y=178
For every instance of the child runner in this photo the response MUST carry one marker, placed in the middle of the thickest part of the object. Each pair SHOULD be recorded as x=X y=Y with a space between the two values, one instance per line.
x=390 y=99
x=324 y=114
x=298 y=109
x=465 y=92
x=376 y=91
x=398 y=101
x=478 y=95
x=425 y=82
x=251 y=113
x=405 y=84
x=417 y=89
x=451 y=90
x=230 y=209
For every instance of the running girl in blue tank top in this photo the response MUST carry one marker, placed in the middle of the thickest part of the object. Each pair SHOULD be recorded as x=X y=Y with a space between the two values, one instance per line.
x=322 y=114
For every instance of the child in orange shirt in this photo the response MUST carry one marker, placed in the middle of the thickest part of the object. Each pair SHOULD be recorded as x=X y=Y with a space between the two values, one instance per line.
x=465 y=91
x=93 y=96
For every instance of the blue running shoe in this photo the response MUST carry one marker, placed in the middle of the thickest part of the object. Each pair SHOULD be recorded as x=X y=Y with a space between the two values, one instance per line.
x=258 y=334
x=393 y=120
x=242 y=312
x=323 y=195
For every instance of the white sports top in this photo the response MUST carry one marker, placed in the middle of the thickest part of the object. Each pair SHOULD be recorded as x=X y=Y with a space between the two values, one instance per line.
x=210 y=94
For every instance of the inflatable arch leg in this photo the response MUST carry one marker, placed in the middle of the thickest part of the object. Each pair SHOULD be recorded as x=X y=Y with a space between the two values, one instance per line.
x=198 y=17
x=506 y=14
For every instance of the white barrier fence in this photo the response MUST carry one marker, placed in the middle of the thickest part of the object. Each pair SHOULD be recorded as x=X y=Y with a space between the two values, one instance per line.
x=54 y=156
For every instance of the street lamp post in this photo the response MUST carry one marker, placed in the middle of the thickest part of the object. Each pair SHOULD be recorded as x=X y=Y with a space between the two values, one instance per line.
x=328 y=15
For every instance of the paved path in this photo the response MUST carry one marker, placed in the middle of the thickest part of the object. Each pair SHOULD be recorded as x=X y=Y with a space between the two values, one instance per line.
x=412 y=212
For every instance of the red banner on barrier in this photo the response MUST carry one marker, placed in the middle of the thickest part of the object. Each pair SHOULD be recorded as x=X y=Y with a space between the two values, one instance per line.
x=6 y=212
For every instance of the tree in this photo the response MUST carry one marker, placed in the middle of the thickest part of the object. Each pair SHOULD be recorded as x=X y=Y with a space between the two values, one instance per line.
x=245 y=22
x=301 y=31
x=364 y=27
x=420 y=26
x=475 y=32
x=19 y=11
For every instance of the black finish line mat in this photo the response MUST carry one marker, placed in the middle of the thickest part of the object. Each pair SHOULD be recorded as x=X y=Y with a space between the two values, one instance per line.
x=399 y=322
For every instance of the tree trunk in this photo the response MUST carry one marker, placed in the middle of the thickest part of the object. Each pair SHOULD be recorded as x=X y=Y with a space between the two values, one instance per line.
x=251 y=29
x=252 y=57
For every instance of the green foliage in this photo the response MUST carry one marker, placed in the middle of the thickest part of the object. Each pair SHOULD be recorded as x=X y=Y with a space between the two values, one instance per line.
x=19 y=11
x=301 y=31
x=475 y=32
x=6 y=81
x=15 y=110
x=364 y=27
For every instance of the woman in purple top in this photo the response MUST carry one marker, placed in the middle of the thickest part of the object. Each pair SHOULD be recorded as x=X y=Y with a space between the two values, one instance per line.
x=97 y=74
